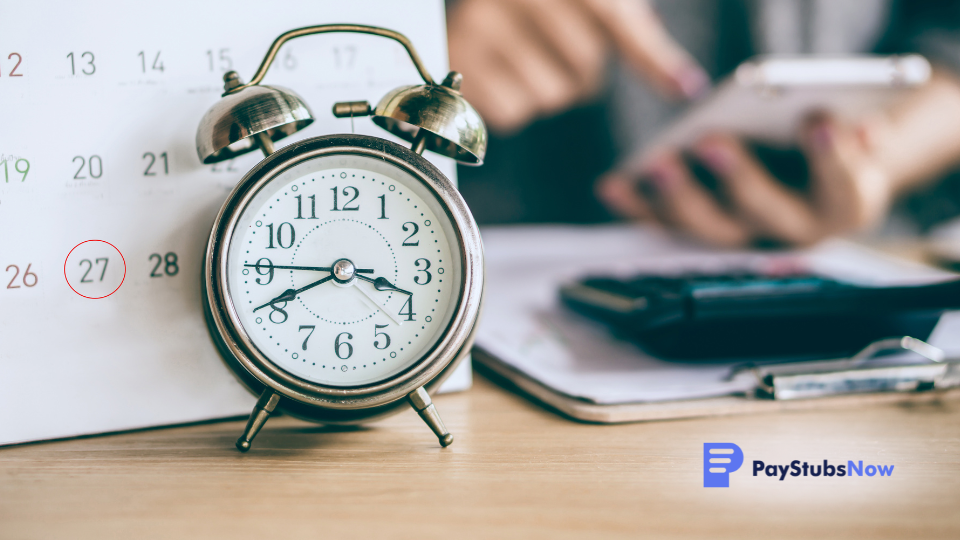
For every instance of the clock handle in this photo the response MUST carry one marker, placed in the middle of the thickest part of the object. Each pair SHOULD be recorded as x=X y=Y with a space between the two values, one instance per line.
x=421 y=402
x=325 y=28
x=258 y=417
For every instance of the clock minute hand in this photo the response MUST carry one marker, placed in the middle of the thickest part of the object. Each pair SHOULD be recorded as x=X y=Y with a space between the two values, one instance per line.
x=310 y=268
x=291 y=294
x=381 y=284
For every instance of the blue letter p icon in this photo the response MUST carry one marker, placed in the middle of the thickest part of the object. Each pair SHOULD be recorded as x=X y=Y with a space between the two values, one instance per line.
x=719 y=460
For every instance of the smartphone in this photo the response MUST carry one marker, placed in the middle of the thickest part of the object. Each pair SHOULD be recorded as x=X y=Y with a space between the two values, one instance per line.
x=766 y=99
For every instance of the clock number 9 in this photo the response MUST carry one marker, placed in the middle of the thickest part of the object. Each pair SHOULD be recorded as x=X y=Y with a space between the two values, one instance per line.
x=377 y=333
x=425 y=270
x=269 y=272
x=338 y=346
x=293 y=235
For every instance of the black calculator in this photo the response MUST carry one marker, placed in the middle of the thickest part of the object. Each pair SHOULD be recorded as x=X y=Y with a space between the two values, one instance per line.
x=739 y=316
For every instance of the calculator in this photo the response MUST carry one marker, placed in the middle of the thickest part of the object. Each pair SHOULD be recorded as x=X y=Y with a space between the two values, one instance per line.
x=741 y=316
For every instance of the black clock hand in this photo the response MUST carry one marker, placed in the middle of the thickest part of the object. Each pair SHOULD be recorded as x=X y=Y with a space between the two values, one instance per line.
x=310 y=268
x=381 y=284
x=291 y=294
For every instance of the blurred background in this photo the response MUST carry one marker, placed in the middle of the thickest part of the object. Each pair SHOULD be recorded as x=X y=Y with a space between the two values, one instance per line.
x=573 y=90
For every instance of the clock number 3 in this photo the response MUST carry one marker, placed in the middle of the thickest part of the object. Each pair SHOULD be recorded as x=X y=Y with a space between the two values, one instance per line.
x=425 y=270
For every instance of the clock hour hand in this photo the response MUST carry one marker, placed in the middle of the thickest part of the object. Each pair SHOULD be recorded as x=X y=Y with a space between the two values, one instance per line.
x=291 y=294
x=381 y=284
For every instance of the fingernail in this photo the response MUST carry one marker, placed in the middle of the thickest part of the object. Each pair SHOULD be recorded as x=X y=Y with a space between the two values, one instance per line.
x=693 y=81
x=716 y=156
x=821 y=137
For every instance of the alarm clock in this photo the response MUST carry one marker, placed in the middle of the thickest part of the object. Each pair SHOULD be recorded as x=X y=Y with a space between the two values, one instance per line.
x=343 y=275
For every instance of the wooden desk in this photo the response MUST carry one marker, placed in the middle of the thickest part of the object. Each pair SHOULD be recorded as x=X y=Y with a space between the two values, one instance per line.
x=514 y=471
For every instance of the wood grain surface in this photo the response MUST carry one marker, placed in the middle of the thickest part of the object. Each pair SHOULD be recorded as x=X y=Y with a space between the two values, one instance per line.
x=515 y=470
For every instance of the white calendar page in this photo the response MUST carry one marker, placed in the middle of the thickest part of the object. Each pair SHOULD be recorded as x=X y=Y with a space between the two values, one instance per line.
x=100 y=103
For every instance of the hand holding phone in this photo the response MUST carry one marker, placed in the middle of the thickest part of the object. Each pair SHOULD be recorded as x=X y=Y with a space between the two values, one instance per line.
x=710 y=175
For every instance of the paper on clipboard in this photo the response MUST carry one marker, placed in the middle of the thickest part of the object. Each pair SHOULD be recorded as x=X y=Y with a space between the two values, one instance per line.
x=525 y=327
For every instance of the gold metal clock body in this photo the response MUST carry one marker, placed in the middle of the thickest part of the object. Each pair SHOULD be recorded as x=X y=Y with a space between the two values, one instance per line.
x=433 y=117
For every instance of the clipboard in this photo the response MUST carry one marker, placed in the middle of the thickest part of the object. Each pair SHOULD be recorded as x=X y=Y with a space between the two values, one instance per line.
x=527 y=340
x=781 y=387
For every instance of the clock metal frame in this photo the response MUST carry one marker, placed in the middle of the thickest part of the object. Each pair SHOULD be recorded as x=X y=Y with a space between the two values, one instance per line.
x=342 y=405
x=430 y=116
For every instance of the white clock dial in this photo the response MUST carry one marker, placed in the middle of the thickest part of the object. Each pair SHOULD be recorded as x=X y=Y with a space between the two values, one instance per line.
x=397 y=280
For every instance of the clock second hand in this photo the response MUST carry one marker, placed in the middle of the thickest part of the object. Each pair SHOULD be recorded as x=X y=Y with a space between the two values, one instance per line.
x=380 y=307
x=291 y=294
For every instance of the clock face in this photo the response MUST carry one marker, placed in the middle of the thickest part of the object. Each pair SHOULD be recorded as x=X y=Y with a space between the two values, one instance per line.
x=344 y=270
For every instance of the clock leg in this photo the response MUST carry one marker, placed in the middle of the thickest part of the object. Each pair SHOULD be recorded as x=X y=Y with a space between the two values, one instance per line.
x=421 y=402
x=265 y=405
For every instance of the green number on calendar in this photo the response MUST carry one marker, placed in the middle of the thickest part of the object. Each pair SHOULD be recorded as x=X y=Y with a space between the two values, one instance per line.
x=16 y=167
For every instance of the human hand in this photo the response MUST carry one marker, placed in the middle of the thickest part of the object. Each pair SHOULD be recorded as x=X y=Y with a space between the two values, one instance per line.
x=522 y=59
x=850 y=188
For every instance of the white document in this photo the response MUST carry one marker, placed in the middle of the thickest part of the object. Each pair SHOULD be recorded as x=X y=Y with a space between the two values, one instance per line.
x=525 y=326
x=100 y=105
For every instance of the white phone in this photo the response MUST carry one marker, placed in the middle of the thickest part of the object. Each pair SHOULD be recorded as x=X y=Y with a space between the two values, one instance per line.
x=767 y=98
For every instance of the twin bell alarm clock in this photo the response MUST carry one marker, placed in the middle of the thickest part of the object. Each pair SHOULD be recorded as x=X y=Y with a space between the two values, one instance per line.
x=343 y=275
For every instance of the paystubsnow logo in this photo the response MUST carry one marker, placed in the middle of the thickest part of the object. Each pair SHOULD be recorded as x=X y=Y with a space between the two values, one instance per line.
x=721 y=459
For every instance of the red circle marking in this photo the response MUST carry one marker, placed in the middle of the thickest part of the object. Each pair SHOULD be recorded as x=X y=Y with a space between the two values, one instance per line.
x=68 y=279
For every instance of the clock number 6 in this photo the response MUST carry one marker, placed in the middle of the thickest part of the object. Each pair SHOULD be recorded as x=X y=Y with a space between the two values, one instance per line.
x=425 y=270
x=312 y=328
x=338 y=346
x=377 y=333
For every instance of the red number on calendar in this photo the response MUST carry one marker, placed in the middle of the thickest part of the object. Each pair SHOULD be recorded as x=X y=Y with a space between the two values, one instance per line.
x=13 y=72
x=29 y=279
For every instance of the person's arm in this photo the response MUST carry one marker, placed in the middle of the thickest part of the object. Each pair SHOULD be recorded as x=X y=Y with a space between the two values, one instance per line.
x=856 y=171
x=523 y=59
x=920 y=139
